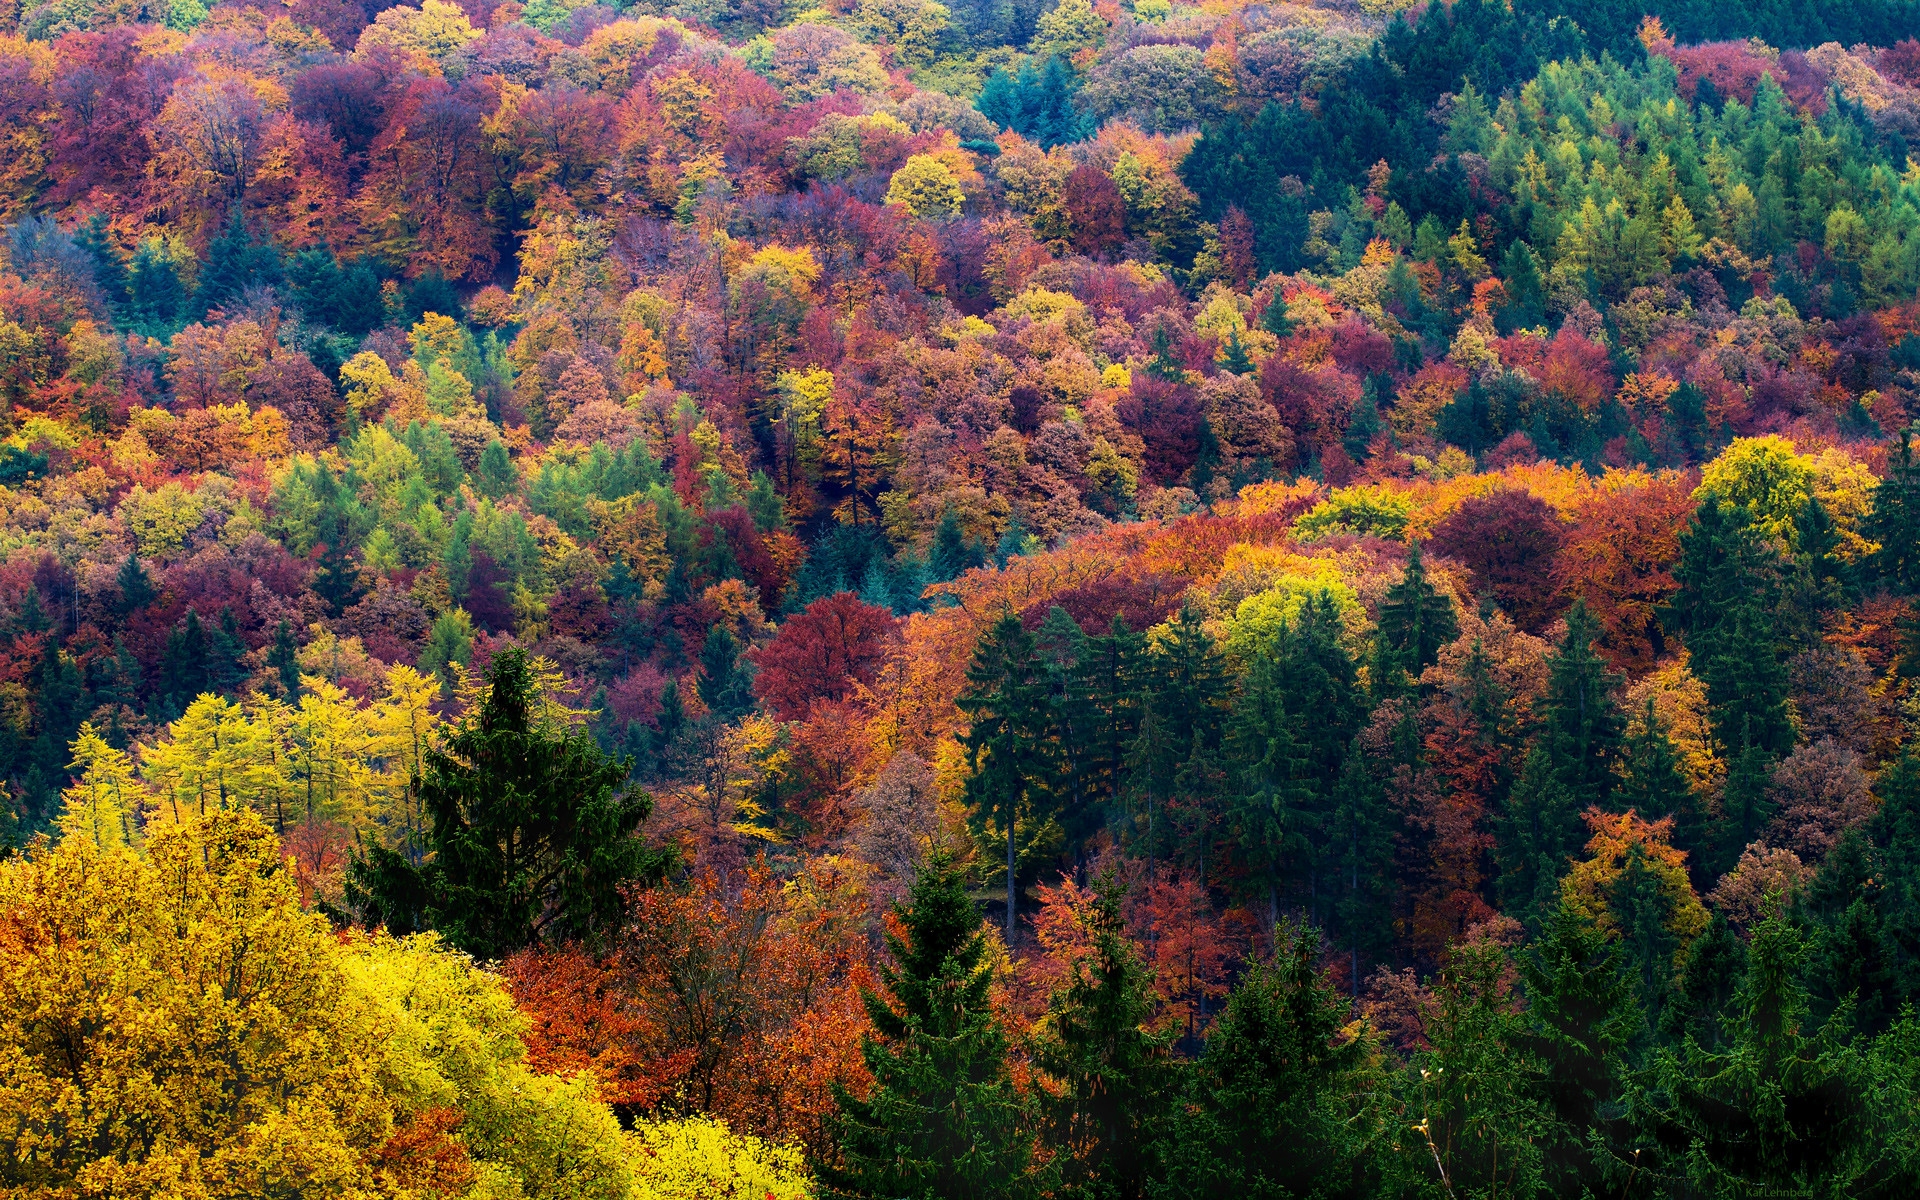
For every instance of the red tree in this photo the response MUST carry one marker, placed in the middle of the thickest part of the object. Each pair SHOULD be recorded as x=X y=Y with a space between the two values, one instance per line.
x=822 y=653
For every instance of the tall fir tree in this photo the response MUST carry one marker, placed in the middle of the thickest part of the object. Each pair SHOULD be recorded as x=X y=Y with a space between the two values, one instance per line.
x=1534 y=840
x=1583 y=728
x=1285 y=1101
x=1011 y=756
x=1894 y=521
x=534 y=831
x=1113 y=1077
x=1416 y=621
x=942 y=1119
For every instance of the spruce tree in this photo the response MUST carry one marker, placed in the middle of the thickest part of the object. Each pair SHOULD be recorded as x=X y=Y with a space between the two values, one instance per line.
x=226 y=654
x=1112 y=1076
x=1107 y=683
x=1894 y=521
x=726 y=686
x=1651 y=784
x=1535 y=838
x=1785 y=1107
x=136 y=589
x=942 y=1119
x=1582 y=724
x=1416 y=621
x=1274 y=813
x=534 y=831
x=1581 y=1018
x=1360 y=840
x=1284 y=1102
x=1700 y=1005
x=1011 y=755
x=283 y=657
x=1237 y=361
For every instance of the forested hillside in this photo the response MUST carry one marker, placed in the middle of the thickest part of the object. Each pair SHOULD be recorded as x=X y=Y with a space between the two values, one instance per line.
x=1028 y=599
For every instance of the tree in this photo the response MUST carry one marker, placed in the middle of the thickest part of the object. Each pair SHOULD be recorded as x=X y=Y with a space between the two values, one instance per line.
x=136 y=589
x=925 y=187
x=826 y=651
x=283 y=658
x=1036 y=103
x=1415 y=621
x=1286 y=1099
x=726 y=685
x=942 y=1118
x=1651 y=783
x=1010 y=755
x=1582 y=723
x=1582 y=1015
x=1114 y=1073
x=1782 y=1105
x=533 y=829
x=1895 y=520
x=1508 y=539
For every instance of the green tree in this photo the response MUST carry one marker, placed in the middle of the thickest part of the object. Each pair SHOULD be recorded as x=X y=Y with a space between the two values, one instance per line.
x=1651 y=783
x=1581 y=1016
x=942 y=1119
x=1582 y=724
x=136 y=588
x=496 y=475
x=726 y=686
x=1894 y=521
x=1011 y=757
x=1534 y=838
x=534 y=830
x=1286 y=1101
x=282 y=657
x=1113 y=1074
x=1416 y=620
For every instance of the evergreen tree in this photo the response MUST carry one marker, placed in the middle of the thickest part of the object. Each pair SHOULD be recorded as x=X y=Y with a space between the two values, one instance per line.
x=1745 y=805
x=235 y=262
x=1273 y=808
x=1526 y=306
x=1581 y=1015
x=1651 y=784
x=1237 y=361
x=942 y=1119
x=1107 y=685
x=726 y=686
x=1284 y=1102
x=1784 y=1107
x=1011 y=756
x=1037 y=104
x=226 y=654
x=283 y=657
x=953 y=554
x=1535 y=838
x=496 y=475
x=534 y=831
x=1416 y=620
x=1894 y=521
x=136 y=590
x=33 y=615
x=336 y=579
x=1274 y=318
x=1699 y=1008
x=1360 y=837
x=157 y=297
x=1642 y=917
x=1182 y=724
x=183 y=668
x=1725 y=607
x=1582 y=724
x=109 y=261
x=1114 y=1077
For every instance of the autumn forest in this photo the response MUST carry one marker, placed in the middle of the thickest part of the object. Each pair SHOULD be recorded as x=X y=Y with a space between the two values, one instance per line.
x=968 y=600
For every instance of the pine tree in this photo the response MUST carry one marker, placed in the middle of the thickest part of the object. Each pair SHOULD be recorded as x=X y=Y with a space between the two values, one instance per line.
x=33 y=615
x=1113 y=1075
x=726 y=687
x=1011 y=756
x=1182 y=724
x=533 y=831
x=1274 y=810
x=1283 y=1102
x=1582 y=1015
x=335 y=579
x=1526 y=306
x=1651 y=784
x=1894 y=521
x=1536 y=836
x=1745 y=805
x=1583 y=725
x=942 y=1119
x=283 y=657
x=1416 y=620
x=109 y=261
x=183 y=667
x=136 y=589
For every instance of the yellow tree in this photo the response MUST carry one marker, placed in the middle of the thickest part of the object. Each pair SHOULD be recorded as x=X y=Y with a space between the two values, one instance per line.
x=403 y=726
x=217 y=757
x=102 y=805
